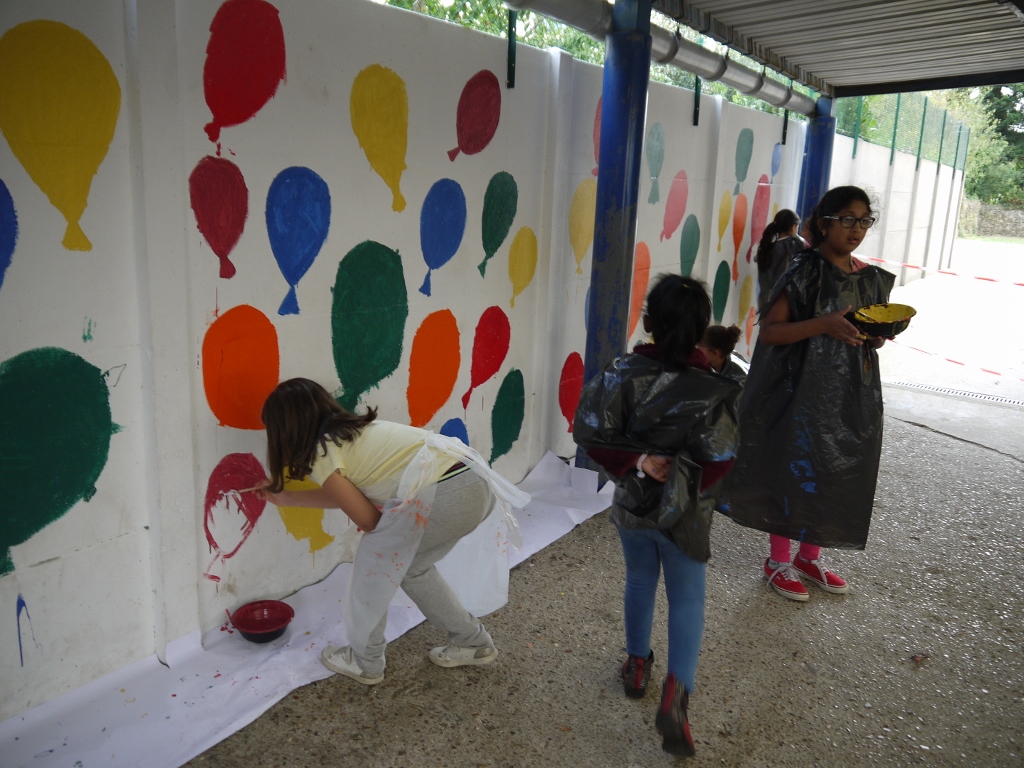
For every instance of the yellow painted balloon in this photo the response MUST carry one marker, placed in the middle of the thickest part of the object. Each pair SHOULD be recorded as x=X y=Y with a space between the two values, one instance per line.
x=304 y=522
x=59 y=102
x=581 y=220
x=379 y=107
x=724 y=215
x=775 y=210
x=746 y=296
x=522 y=261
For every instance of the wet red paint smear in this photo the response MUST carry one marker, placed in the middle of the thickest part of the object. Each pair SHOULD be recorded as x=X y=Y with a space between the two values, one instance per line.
x=245 y=62
x=479 y=111
x=220 y=202
x=490 y=346
x=234 y=472
x=570 y=384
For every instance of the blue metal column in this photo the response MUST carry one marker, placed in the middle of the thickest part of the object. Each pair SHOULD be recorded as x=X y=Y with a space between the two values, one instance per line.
x=817 y=168
x=623 y=111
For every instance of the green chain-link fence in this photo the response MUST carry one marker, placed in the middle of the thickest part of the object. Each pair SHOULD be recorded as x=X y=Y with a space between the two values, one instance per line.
x=904 y=122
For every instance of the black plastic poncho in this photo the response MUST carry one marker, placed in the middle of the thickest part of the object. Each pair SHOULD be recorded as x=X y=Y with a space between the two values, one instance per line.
x=636 y=405
x=811 y=418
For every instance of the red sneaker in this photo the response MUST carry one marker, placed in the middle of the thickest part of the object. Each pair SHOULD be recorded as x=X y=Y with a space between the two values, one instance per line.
x=785 y=580
x=816 y=571
x=636 y=673
x=672 y=722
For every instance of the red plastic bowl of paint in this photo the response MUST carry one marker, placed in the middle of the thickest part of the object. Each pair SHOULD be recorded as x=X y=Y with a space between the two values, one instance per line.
x=263 y=620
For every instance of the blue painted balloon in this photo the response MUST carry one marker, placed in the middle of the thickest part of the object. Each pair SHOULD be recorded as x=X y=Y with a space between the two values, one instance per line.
x=776 y=159
x=456 y=428
x=8 y=230
x=442 y=224
x=298 y=217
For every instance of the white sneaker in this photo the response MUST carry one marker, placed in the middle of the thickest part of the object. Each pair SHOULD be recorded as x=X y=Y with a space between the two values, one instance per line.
x=457 y=656
x=343 y=661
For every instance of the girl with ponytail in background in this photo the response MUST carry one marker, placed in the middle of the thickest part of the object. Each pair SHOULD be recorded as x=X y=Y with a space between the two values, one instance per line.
x=779 y=244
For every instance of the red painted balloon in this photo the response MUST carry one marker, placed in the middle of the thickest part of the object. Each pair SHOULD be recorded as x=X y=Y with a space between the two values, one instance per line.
x=570 y=384
x=759 y=216
x=490 y=346
x=220 y=202
x=244 y=62
x=478 y=113
x=235 y=472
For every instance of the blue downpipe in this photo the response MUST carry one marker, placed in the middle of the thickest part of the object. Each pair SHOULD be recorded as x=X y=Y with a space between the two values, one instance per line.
x=817 y=167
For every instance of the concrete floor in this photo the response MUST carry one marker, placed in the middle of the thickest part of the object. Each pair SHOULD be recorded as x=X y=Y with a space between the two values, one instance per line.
x=920 y=663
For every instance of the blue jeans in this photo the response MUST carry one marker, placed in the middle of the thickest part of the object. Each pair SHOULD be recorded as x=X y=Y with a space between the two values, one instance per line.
x=646 y=552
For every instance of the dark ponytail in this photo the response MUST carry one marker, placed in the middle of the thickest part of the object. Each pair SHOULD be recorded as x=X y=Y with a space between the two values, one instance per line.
x=678 y=311
x=720 y=338
x=784 y=221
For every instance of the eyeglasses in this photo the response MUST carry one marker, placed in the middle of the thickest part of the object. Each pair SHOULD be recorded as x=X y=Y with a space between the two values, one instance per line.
x=847 y=222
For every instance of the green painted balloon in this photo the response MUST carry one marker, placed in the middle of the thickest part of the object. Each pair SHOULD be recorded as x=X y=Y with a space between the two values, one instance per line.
x=368 y=317
x=744 y=150
x=655 y=159
x=507 y=416
x=720 y=293
x=55 y=429
x=689 y=243
x=501 y=201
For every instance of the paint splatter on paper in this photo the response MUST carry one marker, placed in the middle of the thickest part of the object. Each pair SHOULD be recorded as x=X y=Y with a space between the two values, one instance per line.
x=245 y=63
x=298 y=218
x=582 y=211
x=507 y=416
x=220 y=202
x=368 y=315
x=522 y=261
x=490 y=346
x=433 y=366
x=59 y=103
x=22 y=607
x=478 y=114
x=53 y=404
x=570 y=385
x=442 y=225
x=379 y=109
x=241 y=364
x=501 y=201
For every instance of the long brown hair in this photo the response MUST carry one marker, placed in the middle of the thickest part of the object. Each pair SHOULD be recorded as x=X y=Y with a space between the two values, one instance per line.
x=784 y=221
x=300 y=417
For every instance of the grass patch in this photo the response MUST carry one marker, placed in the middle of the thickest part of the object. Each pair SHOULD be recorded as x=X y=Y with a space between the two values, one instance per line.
x=1012 y=240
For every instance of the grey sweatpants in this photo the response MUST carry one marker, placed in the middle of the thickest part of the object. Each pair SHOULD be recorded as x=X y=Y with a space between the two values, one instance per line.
x=461 y=503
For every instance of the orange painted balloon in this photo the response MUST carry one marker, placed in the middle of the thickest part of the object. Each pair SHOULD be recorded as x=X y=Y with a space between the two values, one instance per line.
x=241 y=364
x=641 y=276
x=433 y=366
x=739 y=224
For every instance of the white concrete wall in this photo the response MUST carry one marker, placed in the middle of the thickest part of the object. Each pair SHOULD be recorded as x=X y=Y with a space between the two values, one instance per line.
x=114 y=578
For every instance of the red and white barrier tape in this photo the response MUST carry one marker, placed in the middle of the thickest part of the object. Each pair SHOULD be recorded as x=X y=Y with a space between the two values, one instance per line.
x=937 y=271
x=947 y=359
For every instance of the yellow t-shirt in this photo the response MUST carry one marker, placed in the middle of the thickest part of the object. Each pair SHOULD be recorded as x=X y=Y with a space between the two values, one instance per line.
x=380 y=452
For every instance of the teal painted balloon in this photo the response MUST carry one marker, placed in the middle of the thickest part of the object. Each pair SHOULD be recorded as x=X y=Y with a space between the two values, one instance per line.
x=55 y=429
x=368 y=317
x=689 y=244
x=720 y=293
x=507 y=416
x=744 y=150
x=655 y=158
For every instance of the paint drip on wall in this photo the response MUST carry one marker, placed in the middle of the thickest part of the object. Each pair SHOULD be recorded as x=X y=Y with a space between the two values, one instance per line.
x=490 y=346
x=433 y=366
x=59 y=103
x=522 y=261
x=379 y=109
x=241 y=364
x=368 y=315
x=507 y=416
x=570 y=385
x=442 y=225
x=226 y=501
x=245 y=63
x=220 y=202
x=478 y=114
x=501 y=201
x=22 y=607
x=298 y=218
x=55 y=428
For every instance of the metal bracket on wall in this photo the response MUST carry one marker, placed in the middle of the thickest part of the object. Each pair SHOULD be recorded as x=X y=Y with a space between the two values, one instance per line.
x=696 y=101
x=510 y=73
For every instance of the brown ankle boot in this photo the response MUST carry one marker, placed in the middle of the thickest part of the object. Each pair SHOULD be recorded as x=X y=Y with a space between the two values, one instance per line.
x=671 y=721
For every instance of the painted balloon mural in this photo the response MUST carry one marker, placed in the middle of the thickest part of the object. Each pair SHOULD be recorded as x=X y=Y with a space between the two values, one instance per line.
x=522 y=261
x=59 y=104
x=442 y=224
x=490 y=346
x=304 y=522
x=8 y=230
x=739 y=226
x=501 y=201
x=433 y=366
x=368 y=315
x=720 y=290
x=230 y=510
x=675 y=206
x=241 y=363
x=724 y=216
x=689 y=244
x=581 y=220
x=641 y=277
x=246 y=46
x=220 y=202
x=759 y=214
x=379 y=110
x=478 y=114
x=570 y=385
x=455 y=428
x=53 y=403
x=298 y=218
x=744 y=151
x=508 y=413
x=655 y=151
